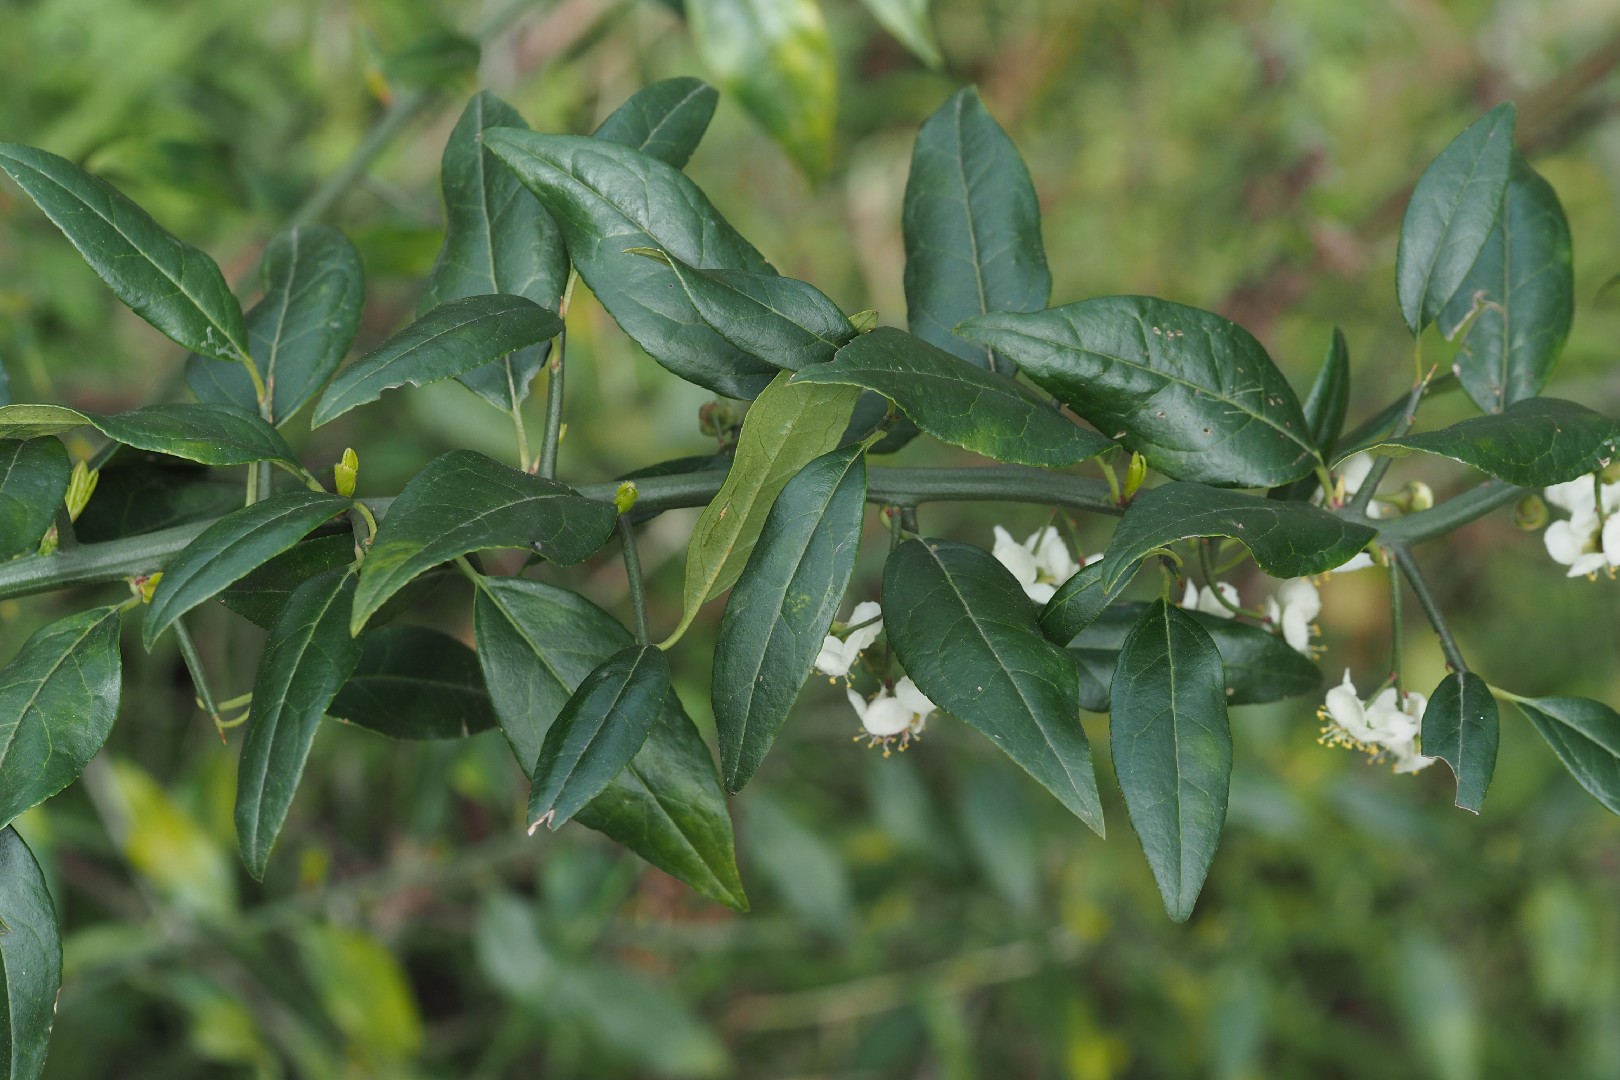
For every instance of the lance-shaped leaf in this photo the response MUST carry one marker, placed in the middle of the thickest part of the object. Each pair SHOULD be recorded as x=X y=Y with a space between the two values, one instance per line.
x=665 y=119
x=1172 y=749
x=1585 y=735
x=413 y=682
x=231 y=548
x=170 y=284
x=497 y=239
x=775 y=57
x=306 y=659
x=783 y=605
x=968 y=637
x=1190 y=391
x=1460 y=728
x=209 y=433
x=984 y=411
x=464 y=502
x=972 y=228
x=260 y=596
x=452 y=339
x=609 y=198
x=58 y=701
x=601 y=727
x=314 y=286
x=30 y=961
x=1329 y=399
x=1531 y=443
x=787 y=428
x=907 y=20
x=1079 y=601
x=1287 y=539
x=34 y=476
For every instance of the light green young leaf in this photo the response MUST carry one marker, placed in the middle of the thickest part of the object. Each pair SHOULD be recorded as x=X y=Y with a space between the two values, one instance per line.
x=665 y=119
x=34 y=476
x=414 y=682
x=30 y=961
x=907 y=20
x=208 y=433
x=1586 y=737
x=1460 y=728
x=1532 y=443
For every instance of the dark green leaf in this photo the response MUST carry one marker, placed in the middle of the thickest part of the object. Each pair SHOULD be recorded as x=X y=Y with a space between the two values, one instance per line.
x=783 y=605
x=229 y=549
x=1586 y=737
x=262 y=595
x=1190 y=391
x=1523 y=290
x=972 y=228
x=1078 y=602
x=601 y=727
x=58 y=701
x=314 y=287
x=210 y=434
x=34 y=476
x=464 y=502
x=607 y=199
x=954 y=401
x=1329 y=399
x=907 y=20
x=5 y=385
x=1460 y=728
x=1451 y=213
x=30 y=961
x=664 y=119
x=1532 y=443
x=413 y=682
x=452 y=339
x=968 y=637
x=140 y=493
x=1287 y=539
x=1172 y=749
x=170 y=284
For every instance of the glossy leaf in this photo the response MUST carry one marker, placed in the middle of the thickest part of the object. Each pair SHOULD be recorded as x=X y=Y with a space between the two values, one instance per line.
x=170 y=284
x=1586 y=737
x=261 y=595
x=1531 y=443
x=464 y=502
x=972 y=228
x=907 y=20
x=600 y=728
x=30 y=961
x=58 y=700
x=983 y=411
x=209 y=434
x=34 y=476
x=497 y=239
x=1172 y=749
x=609 y=198
x=314 y=287
x=1190 y=391
x=1460 y=728
x=1453 y=208
x=1329 y=399
x=1078 y=602
x=141 y=493
x=968 y=637
x=232 y=547
x=783 y=605
x=307 y=658
x=1287 y=539
x=665 y=119
x=775 y=57
x=413 y=682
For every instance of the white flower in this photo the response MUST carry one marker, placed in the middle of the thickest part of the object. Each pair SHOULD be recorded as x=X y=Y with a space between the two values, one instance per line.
x=1384 y=727
x=1353 y=471
x=1205 y=600
x=1359 y=561
x=1041 y=563
x=838 y=656
x=1588 y=540
x=1297 y=603
x=892 y=718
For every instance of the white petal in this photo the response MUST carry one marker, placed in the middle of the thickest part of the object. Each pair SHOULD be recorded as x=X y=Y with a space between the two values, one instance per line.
x=831 y=660
x=866 y=609
x=1273 y=612
x=1359 y=561
x=1611 y=540
x=1189 y=598
x=1354 y=469
x=906 y=692
x=1209 y=605
x=1296 y=630
x=1014 y=556
x=886 y=717
x=1577 y=496
x=1410 y=760
x=1098 y=557
x=857 y=702
x=1040 y=592
x=1052 y=559
x=1587 y=565
x=1298 y=594
x=1565 y=543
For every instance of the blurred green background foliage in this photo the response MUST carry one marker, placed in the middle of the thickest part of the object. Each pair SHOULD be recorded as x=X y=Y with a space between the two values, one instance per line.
x=931 y=914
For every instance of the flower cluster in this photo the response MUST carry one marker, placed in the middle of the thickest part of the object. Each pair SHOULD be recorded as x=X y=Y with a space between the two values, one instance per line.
x=1589 y=539
x=1291 y=611
x=1384 y=727
x=891 y=717
x=1041 y=563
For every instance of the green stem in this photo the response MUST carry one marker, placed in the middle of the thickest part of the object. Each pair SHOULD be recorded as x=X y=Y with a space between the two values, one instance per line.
x=554 y=388
x=199 y=678
x=1369 y=486
x=632 y=573
x=1420 y=586
x=1395 y=630
x=1449 y=515
x=522 y=436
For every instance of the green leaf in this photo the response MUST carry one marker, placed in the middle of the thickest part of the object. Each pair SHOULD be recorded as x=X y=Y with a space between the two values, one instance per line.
x=600 y=728
x=30 y=961
x=972 y=228
x=262 y=594
x=464 y=502
x=1078 y=602
x=1460 y=728
x=307 y=658
x=413 y=682
x=1451 y=213
x=210 y=434
x=968 y=637
x=1586 y=737
x=5 y=385
x=1532 y=443
x=775 y=57
x=452 y=339
x=954 y=401
x=609 y=198
x=907 y=20
x=170 y=284
x=783 y=605
x=58 y=701
x=34 y=476
x=665 y=119
x=1329 y=399
x=1172 y=749
x=141 y=493
x=314 y=287
x=1523 y=288
x=1190 y=391
x=1287 y=539
x=230 y=548
x=787 y=428
x=497 y=239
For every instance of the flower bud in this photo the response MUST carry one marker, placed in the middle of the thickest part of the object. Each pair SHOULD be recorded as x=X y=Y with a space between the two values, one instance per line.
x=1418 y=496
x=626 y=496
x=1135 y=473
x=864 y=322
x=345 y=471
x=81 y=486
x=1531 y=513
